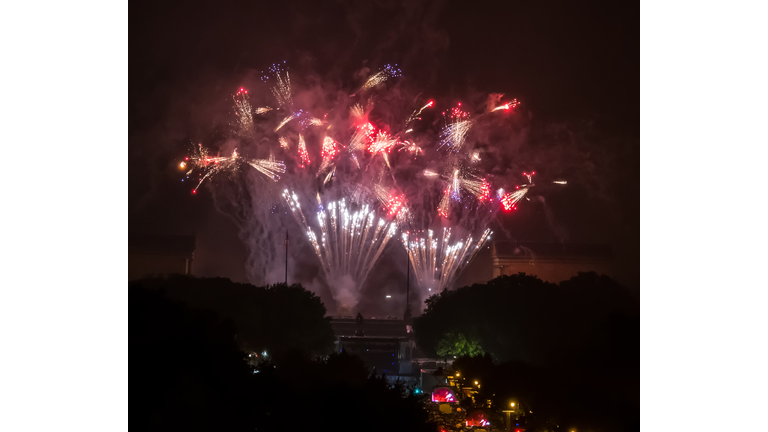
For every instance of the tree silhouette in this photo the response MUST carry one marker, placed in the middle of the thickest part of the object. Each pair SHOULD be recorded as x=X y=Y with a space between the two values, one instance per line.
x=188 y=373
x=274 y=318
x=567 y=352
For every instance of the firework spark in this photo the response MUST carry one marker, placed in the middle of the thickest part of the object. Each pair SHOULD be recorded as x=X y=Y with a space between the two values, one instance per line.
x=282 y=88
x=208 y=166
x=485 y=191
x=460 y=181
x=394 y=203
x=438 y=263
x=383 y=144
x=509 y=200
x=410 y=147
x=244 y=113
x=269 y=167
x=286 y=120
x=417 y=112
x=512 y=198
x=560 y=182
x=329 y=152
x=357 y=111
x=362 y=138
x=508 y=105
x=454 y=133
x=388 y=72
x=303 y=154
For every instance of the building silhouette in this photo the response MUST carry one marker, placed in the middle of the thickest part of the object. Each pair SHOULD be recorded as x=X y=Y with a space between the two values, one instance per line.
x=150 y=255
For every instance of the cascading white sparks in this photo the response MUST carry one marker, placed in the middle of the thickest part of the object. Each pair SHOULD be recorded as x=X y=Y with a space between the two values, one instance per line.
x=244 y=113
x=269 y=167
x=282 y=88
x=357 y=111
x=454 y=133
x=438 y=263
x=350 y=242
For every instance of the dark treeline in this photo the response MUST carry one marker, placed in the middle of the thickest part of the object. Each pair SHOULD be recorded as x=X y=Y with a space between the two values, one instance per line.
x=272 y=318
x=568 y=352
x=190 y=368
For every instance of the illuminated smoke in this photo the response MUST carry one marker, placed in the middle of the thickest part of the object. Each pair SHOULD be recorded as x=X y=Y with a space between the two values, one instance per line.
x=361 y=200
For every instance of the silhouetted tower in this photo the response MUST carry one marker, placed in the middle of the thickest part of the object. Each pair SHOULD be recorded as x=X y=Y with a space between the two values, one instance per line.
x=286 y=257
x=407 y=314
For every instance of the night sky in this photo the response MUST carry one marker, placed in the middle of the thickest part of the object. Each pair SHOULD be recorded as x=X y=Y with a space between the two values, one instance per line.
x=575 y=66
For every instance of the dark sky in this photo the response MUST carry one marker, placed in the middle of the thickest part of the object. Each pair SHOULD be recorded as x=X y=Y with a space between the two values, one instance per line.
x=575 y=66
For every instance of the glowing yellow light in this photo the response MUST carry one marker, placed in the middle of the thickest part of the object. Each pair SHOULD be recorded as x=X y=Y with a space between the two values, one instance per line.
x=475 y=382
x=512 y=404
x=182 y=165
x=458 y=374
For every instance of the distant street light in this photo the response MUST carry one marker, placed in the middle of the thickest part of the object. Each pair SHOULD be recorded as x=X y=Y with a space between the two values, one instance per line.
x=512 y=404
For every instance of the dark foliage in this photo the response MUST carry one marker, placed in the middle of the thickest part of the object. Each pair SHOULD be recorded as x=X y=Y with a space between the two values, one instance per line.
x=336 y=394
x=569 y=352
x=519 y=317
x=188 y=373
x=273 y=318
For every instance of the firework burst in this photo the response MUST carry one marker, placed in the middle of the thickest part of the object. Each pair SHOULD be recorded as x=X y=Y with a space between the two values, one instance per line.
x=417 y=112
x=460 y=181
x=454 y=133
x=507 y=106
x=282 y=88
x=208 y=166
x=303 y=153
x=269 y=167
x=286 y=120
x=244 y=113
x=382 y=144
x=388 y=72
x=510 y=200
x=329 y=152
x=410 y=147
